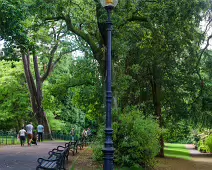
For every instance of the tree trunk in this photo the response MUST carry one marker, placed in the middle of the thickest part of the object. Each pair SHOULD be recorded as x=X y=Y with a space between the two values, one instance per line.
x=42 y=119
x=156 y=94
x=35 y=90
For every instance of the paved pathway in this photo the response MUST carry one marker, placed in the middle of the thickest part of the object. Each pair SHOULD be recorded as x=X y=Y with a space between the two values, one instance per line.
x=195 y=153
x=199 y=161
x=16 y=157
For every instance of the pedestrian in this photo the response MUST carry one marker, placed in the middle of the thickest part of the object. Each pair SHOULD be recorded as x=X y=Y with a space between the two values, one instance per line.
x=89 y=132
x=40 y=129
x=72 y=133
x=29 y=129
x=22 y=134
x=84 y=135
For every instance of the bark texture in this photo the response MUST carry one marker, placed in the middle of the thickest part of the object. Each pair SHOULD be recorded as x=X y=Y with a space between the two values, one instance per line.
x=156 y=94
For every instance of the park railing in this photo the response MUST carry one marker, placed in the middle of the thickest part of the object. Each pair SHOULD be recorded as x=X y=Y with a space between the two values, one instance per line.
x=12 y=138
x=57 y=136
x=8 y=139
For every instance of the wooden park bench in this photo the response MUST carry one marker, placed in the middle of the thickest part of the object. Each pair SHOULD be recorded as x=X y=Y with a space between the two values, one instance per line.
x=56 y=159
x=73 y=146
x=80 y=143
x=61 y=149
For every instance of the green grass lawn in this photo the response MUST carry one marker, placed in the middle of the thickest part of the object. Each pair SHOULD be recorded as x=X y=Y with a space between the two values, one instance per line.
x=177 y=151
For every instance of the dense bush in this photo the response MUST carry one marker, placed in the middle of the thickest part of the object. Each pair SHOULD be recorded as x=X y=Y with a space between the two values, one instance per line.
x=136 y=140
x=177 y=132
x=99 y=144
x=208 y=143
x=203 y=140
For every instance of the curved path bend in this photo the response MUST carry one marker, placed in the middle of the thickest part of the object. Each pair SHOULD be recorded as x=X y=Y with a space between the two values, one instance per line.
x=15 y=157
x=199 y=161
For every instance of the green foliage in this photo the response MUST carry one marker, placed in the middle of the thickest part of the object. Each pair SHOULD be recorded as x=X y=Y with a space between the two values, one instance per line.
x=56 y=124
x=72 y=95
x=201 y=146
x=98 y=144
x=203 y=140
x=177 y=132
x=97 y=152
x=14 y=100
x=195 y=138
x=136 y=140
x=208 y=143
x=12 y=16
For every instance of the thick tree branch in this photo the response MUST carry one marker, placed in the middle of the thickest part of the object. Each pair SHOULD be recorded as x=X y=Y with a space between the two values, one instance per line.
x=54 y=18
x=49 y=67
x=137 y=18
x=60 y=56
x=83 y=35
x=206 y=46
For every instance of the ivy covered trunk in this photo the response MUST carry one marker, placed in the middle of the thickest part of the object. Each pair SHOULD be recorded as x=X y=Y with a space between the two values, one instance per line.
x=156 y=94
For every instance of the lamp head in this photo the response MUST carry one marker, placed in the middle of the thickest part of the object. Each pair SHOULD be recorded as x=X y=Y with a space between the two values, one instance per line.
x=109 y=3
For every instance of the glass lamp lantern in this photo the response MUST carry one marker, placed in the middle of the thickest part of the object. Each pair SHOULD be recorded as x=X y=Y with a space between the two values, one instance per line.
x=107 y=3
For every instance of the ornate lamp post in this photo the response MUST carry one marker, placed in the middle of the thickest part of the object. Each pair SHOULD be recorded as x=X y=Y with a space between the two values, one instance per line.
x=109 y=150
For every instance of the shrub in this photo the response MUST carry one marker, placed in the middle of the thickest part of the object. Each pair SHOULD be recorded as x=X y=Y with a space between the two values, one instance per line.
x=98 y=144
x=136 y=140
x=208 y=144
x=201 y=146
x=177 y=132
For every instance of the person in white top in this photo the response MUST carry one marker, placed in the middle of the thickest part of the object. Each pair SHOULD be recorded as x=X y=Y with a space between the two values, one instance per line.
x=84 y=136
x=22 y=134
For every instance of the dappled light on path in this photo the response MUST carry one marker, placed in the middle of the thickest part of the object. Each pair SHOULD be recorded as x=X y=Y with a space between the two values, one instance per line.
x=176 y=159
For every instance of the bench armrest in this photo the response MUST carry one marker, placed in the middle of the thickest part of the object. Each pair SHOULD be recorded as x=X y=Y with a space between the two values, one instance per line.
x=63 y=148
x=67 y=144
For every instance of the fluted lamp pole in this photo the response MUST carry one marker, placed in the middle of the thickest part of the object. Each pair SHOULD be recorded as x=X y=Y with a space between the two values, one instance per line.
x=109 y=150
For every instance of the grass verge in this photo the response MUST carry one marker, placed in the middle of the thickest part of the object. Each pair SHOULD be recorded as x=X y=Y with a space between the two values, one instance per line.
x=176 y=151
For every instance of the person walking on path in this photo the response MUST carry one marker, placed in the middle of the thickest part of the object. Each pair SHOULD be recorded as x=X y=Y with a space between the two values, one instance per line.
x=29 y=129
x=84 y=136
x=72 y=133
x=40 y=129
x=89 y=134
x=22 y=134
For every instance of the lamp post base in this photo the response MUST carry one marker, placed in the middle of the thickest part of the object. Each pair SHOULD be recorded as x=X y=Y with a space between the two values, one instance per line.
x=108 y=159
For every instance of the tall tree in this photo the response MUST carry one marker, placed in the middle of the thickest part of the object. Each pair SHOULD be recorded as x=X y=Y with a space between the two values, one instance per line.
x=31 y=37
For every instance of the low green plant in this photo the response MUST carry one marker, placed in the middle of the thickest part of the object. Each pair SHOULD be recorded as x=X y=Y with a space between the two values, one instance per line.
x=201 y=146
x=208 y=143
x=98 y=144
x=136 y=140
